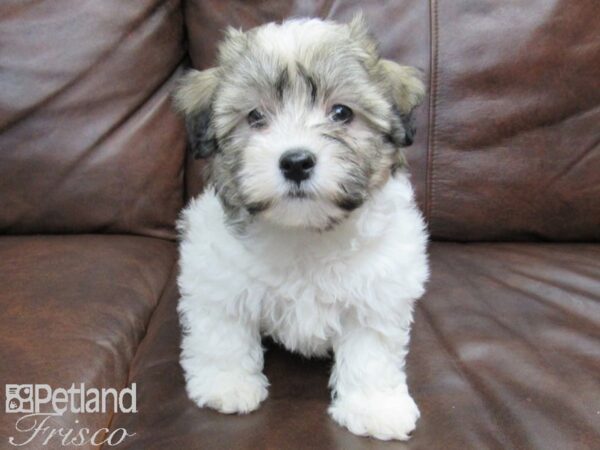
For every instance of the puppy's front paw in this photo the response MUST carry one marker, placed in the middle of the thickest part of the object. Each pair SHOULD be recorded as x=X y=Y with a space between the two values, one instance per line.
x=228 y=392
x=387 y=414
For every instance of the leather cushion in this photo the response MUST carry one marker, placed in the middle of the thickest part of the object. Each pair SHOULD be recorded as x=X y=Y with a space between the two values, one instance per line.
x=508 y=146
x=515 y=143
x=504 y=354
x=74 y=309
x=88 y=138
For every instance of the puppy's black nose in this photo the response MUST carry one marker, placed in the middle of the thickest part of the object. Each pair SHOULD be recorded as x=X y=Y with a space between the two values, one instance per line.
x=297 y=164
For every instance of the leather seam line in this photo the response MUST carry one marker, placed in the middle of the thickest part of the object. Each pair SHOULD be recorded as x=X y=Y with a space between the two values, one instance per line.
x=433 y=85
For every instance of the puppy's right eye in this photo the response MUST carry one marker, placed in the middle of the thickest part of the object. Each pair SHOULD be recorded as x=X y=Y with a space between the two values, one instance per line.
x=256 y=119
x=341 y=113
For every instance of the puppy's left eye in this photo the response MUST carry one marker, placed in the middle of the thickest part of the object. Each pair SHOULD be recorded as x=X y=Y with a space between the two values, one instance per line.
x=256 y=119
x=341 y=113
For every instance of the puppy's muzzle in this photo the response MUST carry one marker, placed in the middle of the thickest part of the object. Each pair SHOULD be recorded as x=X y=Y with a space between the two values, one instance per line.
x=297 y=165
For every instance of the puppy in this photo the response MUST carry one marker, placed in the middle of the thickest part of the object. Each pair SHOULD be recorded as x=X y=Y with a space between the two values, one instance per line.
x=308 y=230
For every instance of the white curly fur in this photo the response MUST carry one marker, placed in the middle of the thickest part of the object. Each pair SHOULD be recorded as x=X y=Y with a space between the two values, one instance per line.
x=350 y=289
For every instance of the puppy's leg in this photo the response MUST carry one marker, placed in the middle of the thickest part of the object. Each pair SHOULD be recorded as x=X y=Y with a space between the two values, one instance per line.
x=369 y=384
x=222 y=359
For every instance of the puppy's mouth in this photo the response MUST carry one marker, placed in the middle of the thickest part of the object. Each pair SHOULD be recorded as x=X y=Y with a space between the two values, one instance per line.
x=348 y=202
x=299 y=193
x=299 y=204
x=294 y=194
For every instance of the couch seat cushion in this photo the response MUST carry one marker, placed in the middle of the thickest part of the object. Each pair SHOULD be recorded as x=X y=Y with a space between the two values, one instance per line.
x=74 y=309
x=505 y=354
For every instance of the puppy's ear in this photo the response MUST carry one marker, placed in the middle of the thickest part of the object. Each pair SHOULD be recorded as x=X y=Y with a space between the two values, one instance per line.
x=401 y=83
x=404 y=85
x=193 y=97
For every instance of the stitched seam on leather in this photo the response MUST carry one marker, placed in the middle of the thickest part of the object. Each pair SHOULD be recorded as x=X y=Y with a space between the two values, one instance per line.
x=128 y=378
x=433 y=83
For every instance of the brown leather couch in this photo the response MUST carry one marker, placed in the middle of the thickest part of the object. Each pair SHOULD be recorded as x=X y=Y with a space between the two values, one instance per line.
x=506 y=343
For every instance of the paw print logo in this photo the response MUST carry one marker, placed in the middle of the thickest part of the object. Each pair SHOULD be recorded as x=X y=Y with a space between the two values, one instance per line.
x=19 y=398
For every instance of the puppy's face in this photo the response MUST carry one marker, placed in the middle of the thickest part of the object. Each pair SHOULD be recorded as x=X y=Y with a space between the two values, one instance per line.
x=301 y=121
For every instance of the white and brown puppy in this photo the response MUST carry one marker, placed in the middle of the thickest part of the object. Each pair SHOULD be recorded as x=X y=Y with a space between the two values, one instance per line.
x=308 y=231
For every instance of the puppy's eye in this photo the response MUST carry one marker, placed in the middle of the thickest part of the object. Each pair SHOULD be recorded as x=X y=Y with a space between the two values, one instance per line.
x=256 y=119
x=341 y=113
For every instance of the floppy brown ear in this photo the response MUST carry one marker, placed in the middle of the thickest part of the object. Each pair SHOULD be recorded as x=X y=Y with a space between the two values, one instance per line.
x=193 y=97
x=404 y=85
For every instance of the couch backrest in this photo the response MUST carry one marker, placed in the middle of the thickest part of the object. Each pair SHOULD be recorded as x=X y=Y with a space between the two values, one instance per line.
x=508 y=140
x=514 y=137
x=88 y=139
